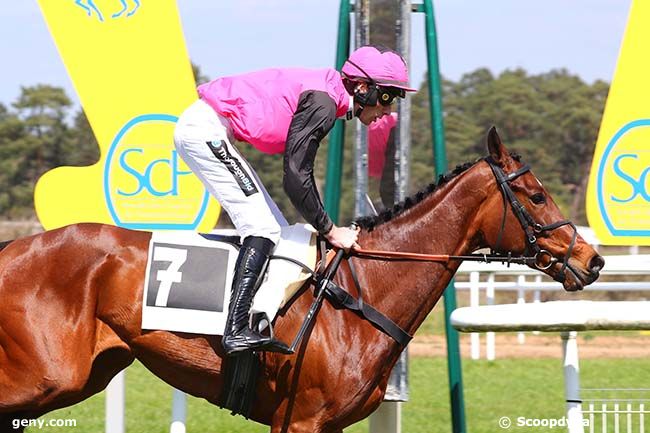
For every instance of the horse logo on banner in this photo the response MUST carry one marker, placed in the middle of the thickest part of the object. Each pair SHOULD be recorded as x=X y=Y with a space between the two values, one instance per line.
x=89 y=6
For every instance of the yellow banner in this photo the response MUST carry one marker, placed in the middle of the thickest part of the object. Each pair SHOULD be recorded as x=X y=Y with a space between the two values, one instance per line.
x=129 y=65
x=618 y=195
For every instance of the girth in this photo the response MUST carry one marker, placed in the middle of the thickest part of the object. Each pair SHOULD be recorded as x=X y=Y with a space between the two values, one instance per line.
x=339 y=296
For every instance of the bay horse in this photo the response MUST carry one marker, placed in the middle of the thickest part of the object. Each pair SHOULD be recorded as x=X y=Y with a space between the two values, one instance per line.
x=71 y=302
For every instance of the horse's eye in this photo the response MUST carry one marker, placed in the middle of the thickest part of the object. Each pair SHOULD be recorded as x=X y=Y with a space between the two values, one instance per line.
x=538 y=198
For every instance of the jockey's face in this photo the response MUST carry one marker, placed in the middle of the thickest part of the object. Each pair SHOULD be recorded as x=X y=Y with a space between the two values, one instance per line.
x=370 y=113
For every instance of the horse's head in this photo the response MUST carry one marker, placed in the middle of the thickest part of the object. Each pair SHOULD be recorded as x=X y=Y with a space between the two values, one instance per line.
x=522 y=218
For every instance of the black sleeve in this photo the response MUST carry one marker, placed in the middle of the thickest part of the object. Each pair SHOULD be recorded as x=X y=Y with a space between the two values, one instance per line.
x=313 y=119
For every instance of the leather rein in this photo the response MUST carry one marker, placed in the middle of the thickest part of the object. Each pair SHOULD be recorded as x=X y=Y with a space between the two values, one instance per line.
x=536 y=256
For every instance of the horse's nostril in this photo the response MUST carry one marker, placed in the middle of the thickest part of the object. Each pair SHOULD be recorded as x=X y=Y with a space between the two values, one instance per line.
x=596 y=263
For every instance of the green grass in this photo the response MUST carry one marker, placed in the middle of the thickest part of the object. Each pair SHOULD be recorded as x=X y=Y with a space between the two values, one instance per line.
x=531 y=388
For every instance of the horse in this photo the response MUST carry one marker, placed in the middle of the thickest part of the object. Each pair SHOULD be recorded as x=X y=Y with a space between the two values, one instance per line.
x=70 y=316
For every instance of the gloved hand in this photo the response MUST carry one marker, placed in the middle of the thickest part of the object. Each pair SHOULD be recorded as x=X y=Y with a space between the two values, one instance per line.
x=343 y=237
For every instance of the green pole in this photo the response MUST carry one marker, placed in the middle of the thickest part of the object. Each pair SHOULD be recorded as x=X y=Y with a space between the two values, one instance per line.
x=438 y=132
x=335 y=148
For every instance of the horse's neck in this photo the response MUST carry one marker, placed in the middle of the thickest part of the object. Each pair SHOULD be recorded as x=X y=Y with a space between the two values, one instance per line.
x=443 y=223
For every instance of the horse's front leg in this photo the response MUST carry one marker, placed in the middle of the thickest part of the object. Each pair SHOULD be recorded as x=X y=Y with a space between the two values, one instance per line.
x=303 y=427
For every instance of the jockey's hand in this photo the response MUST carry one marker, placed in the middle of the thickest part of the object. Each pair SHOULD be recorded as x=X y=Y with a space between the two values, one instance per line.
x=343 y=237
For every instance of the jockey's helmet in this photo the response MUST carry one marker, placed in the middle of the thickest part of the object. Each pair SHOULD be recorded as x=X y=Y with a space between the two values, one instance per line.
x=383 y=69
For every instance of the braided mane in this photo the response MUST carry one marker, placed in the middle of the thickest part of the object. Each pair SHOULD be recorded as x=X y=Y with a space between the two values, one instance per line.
x=370 y=222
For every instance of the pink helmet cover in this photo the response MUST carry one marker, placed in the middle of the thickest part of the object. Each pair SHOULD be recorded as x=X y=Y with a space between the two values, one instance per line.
x=385 y=67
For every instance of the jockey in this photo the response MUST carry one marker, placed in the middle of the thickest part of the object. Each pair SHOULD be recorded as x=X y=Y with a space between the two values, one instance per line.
x=286 y=111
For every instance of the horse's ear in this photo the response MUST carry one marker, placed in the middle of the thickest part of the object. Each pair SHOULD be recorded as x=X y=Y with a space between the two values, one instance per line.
x=496 y=148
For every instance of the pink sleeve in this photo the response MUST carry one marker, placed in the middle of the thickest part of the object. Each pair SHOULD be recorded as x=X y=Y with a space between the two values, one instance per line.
x=378 y=134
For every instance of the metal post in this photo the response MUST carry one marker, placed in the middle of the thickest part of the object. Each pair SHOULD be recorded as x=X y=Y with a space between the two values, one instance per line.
x=179 y=412
x=521 y=299
x=114 y=422
x=572 y=382
x=402 y=166
x=490 y=353
x=362 y=19
x=537 y=296
x=387 y=418
x=335 y=148
x=398 y=383
x=474 y=294
x=438 y=132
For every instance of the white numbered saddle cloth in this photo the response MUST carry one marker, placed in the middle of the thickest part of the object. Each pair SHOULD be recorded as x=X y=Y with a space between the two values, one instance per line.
x=189 y=277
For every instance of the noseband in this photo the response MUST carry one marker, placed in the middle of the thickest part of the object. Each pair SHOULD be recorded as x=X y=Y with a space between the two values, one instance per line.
x=532 y=228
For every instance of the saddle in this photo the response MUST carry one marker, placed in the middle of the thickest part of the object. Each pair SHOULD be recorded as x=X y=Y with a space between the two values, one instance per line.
x=189 y=276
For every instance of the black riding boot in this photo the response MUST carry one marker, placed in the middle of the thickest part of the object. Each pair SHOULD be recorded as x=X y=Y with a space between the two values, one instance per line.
x=249 y=271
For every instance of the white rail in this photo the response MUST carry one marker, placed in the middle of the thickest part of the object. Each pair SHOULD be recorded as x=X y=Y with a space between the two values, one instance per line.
x=566 y=317
x=554 y=316
x=484 y=276
x=617 y=411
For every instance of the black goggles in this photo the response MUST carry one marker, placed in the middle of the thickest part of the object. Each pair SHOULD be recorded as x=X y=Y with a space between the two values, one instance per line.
x=387 y=95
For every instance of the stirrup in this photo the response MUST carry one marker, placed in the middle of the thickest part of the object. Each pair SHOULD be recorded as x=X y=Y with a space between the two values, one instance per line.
x=263 y=343
x=276 y=346
x=245 y=340
x=259 y=321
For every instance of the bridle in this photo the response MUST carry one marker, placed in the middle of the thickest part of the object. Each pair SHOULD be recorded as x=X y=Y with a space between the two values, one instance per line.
x=531 y=228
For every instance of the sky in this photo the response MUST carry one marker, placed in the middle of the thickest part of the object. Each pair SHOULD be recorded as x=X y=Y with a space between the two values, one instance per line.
x=230 y=37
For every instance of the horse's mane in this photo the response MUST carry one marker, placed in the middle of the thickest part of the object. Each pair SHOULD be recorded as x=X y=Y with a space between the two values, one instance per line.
x=370 y=222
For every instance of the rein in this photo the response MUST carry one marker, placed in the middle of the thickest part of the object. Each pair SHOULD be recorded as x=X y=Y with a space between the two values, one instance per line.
x=538 y=257
x=446 y=258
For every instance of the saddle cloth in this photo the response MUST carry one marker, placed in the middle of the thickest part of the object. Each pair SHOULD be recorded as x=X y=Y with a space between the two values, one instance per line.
x=189 y=277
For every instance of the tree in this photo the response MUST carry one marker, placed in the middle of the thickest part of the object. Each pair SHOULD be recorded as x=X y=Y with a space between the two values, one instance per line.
x=83 y=149
x=35 y=137
x=551 y=119
x=13 y=139
x=43 y=109
x=199 y=78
